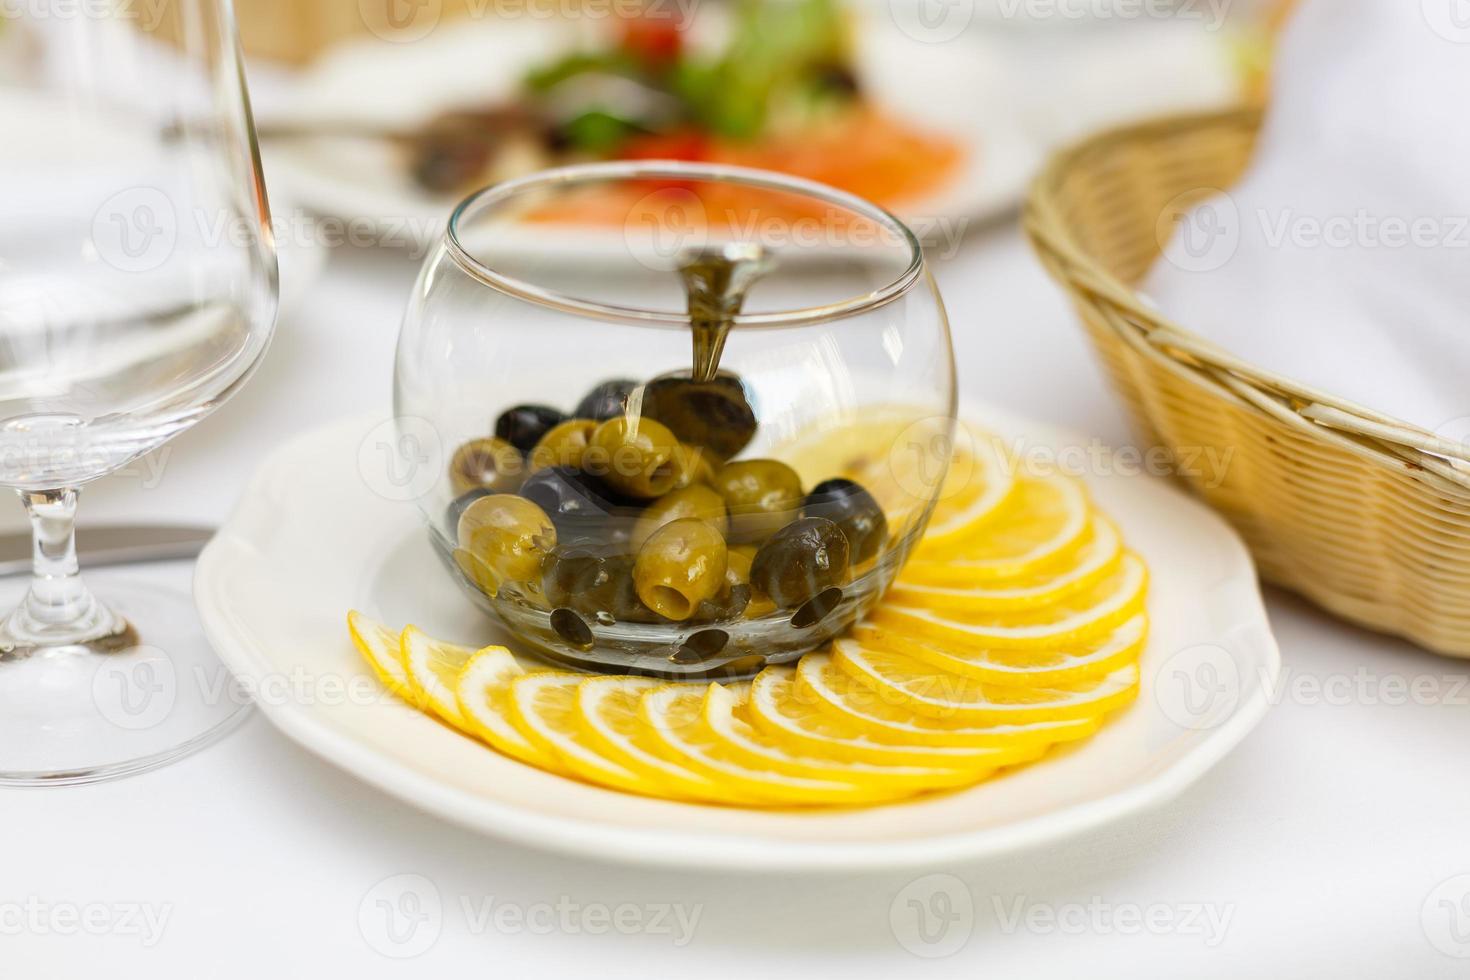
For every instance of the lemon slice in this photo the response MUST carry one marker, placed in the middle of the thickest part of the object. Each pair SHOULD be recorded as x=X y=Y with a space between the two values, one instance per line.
x=896 y=454
x=609 y=708
x=756 y=749
x=901 y=681
x=1076 y=619
x=1042 y=522
x=433 y=668
x=543 y=705
x=482 y=694
x=380 y=647
x=980 y=480
x=819 y=679
x=674 y=714
x=1024 y=668
x=1098 y=557
x=778 y=706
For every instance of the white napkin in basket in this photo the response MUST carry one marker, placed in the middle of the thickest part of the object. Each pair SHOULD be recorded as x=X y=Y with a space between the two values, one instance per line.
x=1342 y=259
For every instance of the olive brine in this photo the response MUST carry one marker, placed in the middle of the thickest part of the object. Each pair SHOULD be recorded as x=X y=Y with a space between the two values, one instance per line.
x=633 y=509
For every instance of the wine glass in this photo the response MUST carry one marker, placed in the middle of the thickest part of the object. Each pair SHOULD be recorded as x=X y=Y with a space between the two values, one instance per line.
x=586 y=294
x=137 y=292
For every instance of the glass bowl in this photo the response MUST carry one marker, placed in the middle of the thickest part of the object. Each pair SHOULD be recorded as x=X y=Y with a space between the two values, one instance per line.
x=701 y=349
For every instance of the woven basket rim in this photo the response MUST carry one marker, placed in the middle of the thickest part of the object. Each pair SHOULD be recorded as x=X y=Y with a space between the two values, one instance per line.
x=1368 y=433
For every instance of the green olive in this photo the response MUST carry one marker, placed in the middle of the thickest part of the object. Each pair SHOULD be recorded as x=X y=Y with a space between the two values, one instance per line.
x=681 y=565
x=505 y=538
x=762 y=495
x=491 y=464
x=737 y=566
x=800 y=561
x=562 y=445
x=694 y=501
x=476 y=571
x=735 y=595
x=634 y=455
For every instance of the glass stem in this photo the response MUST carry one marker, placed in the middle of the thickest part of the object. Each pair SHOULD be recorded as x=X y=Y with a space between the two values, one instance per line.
x=58 y=609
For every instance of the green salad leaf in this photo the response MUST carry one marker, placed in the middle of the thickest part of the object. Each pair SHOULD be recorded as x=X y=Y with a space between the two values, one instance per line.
x=782 y=57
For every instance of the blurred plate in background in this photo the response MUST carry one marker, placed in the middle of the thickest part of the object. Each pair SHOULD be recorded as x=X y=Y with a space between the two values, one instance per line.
x=1005 y=98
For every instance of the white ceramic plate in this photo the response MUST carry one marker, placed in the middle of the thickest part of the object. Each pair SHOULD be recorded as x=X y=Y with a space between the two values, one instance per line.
x=313 y=538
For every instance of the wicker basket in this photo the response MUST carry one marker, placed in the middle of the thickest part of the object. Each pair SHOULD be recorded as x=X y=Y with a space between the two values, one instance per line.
x=1364 y=515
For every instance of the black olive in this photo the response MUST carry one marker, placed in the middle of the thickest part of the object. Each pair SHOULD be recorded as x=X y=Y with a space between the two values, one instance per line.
x=605 y=401
x=852 y=508
x=713 y=414
x=701 y=646
x=457 y=506
x=567 y=570
x=800 y=561
x=813 y=611
x=625 y=605
x=578 y=503
x=583 y=578
x=727 y=605
x=524 y=425
x=571 y=627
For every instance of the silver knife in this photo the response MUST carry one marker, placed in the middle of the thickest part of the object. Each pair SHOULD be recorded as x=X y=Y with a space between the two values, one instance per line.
x=113 y=544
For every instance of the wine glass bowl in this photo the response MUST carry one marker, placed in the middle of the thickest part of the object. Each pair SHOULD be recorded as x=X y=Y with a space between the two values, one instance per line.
x=137 y=292
x=638 y=382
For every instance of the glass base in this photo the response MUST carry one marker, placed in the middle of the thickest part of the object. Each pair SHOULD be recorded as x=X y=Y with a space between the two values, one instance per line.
x=724 y=649
x=80 y=714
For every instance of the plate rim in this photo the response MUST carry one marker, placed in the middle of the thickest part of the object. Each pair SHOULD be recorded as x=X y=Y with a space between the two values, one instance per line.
x=728 y=850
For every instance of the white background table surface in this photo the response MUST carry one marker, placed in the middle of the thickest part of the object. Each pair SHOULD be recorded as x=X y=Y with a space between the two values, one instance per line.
x=1318 y=842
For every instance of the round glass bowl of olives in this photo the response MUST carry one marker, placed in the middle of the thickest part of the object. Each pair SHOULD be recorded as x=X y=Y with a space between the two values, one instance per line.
x=684 y=420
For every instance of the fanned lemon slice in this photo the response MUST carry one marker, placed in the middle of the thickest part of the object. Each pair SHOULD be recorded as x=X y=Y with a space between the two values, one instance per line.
x=976 y=489
x=756 y=749
x=543 y=706
x=433 y=667
x=609 y=708
x=897 y=458
x=779 y=707
x=1080 y=617
x=1042 y=522
x=482 y=694
x=1096 y=559
x=903 y=682
x=674 y=715
x=1024 y=668
x=838 y=692
x=380 y=647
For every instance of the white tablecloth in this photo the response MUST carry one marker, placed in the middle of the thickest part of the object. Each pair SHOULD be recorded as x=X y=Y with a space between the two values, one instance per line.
x=1318 y=848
